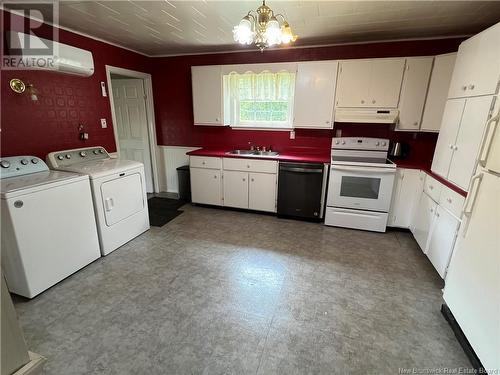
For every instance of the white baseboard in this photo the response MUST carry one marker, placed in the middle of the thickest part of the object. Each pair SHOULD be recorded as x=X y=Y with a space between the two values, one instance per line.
x=169 y=159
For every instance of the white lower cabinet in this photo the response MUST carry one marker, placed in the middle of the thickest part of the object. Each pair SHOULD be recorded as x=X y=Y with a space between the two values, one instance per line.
x=234 y=182
x=206 y=186
x=236 y=189
x=442 y=239
x=408 y=183
x=262 y=192
x=423 y=220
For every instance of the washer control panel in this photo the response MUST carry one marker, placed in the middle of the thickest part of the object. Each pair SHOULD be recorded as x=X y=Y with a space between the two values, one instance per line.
x=13 y=166
x=69 y=157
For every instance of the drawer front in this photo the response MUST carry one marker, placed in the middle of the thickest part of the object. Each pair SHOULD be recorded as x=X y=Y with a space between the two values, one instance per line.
x=250 y=165
x=205 y=162
x=432 y=187
x=452 y=201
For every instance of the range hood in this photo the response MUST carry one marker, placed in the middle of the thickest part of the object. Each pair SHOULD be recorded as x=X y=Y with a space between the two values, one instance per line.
x=368 y=115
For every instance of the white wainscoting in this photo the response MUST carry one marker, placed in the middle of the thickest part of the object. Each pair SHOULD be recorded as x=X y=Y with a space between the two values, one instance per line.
x=169 y=159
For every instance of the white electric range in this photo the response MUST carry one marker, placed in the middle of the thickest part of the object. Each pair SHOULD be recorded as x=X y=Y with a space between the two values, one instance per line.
x=361 y=184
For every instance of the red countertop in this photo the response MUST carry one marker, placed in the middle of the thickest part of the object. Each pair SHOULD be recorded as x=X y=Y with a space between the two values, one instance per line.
x=427 y=169
x=298 y=154
x=312 y=155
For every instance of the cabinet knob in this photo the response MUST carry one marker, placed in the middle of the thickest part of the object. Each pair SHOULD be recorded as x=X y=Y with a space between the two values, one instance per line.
x=415 y=123
x=243 y=179
x=448 y=200
x=455 y=147
x=431 y=187
x=437 y=214
x=432 y=209
x=203 y=162
x=471 y=87
x=327 y=122
x=451 y=147
x=464 y=88
x=248 y=165
x=374 y=101
x=215 y=176
x=217 y=119
x=252 y=180
x=362 y=102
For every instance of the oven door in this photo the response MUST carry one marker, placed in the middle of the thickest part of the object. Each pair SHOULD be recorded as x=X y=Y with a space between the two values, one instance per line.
x=365 y=188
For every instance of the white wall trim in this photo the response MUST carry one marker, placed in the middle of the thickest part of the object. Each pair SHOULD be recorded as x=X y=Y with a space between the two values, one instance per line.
x=172 y=157
x=148 y=90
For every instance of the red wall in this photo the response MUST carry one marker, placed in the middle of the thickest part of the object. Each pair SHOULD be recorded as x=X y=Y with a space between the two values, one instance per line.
x=173 y=102
x=64 y=101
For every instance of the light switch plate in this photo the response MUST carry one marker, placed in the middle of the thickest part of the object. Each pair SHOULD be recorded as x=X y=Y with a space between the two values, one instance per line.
x=104 y=125
x=292 y=134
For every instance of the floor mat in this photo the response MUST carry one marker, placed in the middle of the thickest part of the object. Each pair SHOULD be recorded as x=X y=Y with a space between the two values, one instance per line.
x=162 y=210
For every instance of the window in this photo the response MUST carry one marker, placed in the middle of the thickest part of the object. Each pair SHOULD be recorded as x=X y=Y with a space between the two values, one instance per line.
x=259 y=100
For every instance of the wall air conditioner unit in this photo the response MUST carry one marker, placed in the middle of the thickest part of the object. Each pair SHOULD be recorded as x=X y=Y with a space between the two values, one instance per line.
x=32 y=52
x=367 y=115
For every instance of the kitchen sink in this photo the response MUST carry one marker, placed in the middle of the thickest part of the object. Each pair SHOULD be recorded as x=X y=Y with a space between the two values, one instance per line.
x=252 y=153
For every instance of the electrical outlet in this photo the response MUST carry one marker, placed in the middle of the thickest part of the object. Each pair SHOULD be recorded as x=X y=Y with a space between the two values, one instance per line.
x=292 y=134
x=104 y=125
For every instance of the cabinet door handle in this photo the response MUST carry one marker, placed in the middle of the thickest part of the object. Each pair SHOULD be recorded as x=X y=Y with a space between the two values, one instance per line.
x=488 y=138
x=252 y=180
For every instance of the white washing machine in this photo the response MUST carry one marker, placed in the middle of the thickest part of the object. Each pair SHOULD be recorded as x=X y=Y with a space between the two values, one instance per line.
x=48 y=224
x=118 y=189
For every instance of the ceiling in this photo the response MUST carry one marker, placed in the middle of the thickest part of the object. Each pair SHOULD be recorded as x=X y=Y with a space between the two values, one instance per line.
x=167 y=27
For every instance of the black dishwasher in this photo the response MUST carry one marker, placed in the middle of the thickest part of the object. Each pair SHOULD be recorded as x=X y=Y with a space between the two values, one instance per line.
x=301 y=190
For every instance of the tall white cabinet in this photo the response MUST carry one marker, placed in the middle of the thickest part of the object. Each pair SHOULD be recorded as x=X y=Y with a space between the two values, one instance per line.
x=477 y=68
x=463 y=126
x=314 y=94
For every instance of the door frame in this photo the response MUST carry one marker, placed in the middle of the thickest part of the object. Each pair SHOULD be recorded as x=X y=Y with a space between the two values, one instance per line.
x=150 y=114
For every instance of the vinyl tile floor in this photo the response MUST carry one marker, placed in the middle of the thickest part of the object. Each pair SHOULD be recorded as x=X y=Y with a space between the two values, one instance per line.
x=228 y=292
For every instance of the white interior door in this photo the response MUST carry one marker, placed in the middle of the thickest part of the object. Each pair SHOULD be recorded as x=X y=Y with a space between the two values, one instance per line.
x=132 y=124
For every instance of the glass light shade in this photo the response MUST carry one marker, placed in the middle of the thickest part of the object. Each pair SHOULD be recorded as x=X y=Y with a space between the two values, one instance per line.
x=243 y=32
x=287 y=34
x=273 y=32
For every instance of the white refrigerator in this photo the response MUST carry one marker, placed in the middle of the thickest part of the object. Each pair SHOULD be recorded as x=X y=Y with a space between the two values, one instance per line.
x=472 y=290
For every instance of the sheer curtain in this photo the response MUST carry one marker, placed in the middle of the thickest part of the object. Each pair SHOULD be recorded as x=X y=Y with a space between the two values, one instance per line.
x=262 y=100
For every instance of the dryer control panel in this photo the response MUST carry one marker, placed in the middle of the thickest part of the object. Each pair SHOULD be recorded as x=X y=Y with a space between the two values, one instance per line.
x=79 y=155
x=13 y=166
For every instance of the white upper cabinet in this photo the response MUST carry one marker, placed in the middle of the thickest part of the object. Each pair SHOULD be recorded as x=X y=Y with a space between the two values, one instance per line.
x=370 y=83
x=477 y=69
x=413 y=92
x=315 y=94
x=466 y=149
x=459 y=141
x=443 y=153
x=207 y=95
x=353 y=84
x=437 y=92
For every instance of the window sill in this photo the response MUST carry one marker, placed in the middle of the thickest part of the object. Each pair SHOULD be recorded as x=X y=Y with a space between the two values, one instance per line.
x=261 y=128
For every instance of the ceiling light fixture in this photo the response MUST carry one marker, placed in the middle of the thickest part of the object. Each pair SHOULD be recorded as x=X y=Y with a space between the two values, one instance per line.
x=262 y=28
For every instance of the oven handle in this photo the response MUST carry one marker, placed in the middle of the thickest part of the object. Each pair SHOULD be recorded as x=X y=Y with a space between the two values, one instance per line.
x=366 y=170
x=301 y=170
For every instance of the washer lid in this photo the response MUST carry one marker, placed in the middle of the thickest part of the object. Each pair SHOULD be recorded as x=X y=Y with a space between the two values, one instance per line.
x=101 y=168
x=19 y=185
